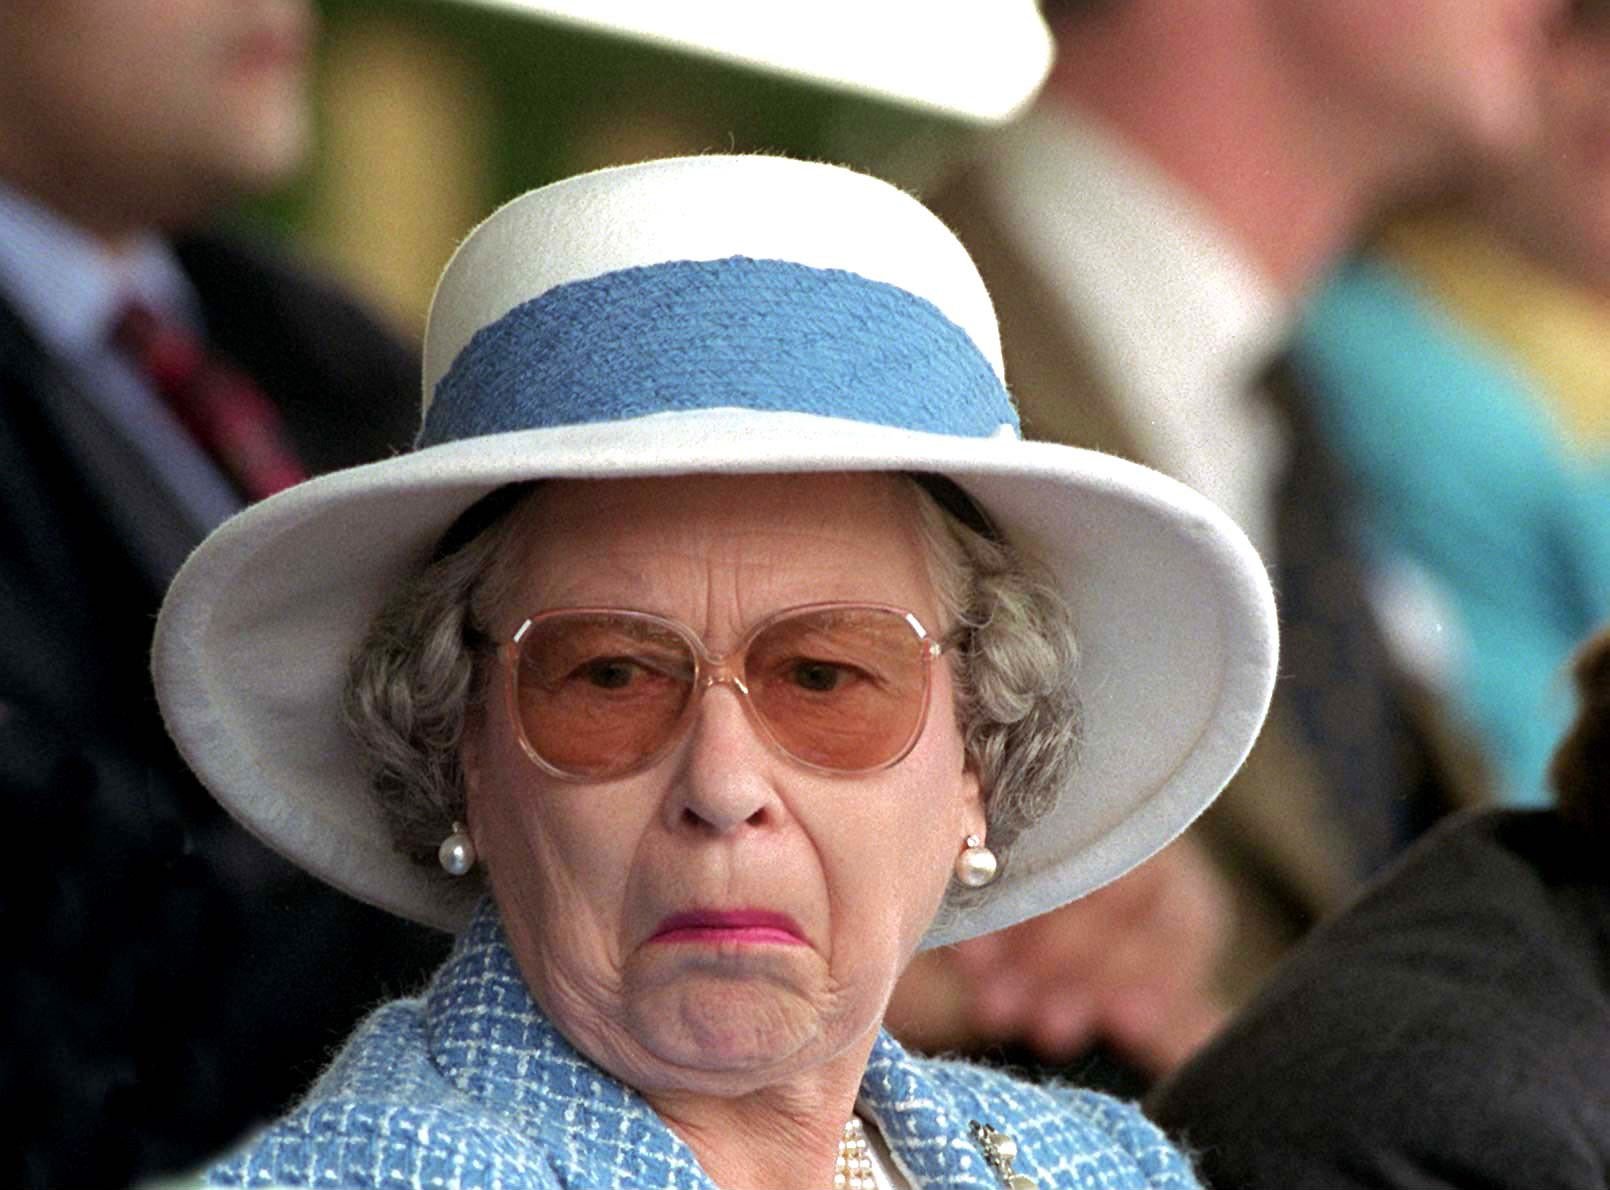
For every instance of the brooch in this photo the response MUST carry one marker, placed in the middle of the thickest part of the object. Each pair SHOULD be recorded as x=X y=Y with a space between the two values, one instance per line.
x=999 y=1152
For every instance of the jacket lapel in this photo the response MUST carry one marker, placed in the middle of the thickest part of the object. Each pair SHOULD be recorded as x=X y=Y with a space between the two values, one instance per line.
x=925 y=1129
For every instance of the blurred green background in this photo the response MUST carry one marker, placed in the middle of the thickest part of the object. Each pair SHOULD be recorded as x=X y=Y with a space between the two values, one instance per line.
x=430 y=112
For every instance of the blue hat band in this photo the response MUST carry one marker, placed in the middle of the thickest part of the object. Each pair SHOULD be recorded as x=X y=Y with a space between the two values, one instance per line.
x=766 y=335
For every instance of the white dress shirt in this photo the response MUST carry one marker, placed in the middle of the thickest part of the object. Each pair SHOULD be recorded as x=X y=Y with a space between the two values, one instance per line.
x=1181 y=323
x=69 y=289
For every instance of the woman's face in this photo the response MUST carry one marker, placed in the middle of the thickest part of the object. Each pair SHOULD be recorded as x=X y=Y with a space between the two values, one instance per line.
x=591 y=877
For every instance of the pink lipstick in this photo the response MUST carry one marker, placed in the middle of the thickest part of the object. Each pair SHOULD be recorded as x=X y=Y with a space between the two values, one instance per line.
x=714 y=926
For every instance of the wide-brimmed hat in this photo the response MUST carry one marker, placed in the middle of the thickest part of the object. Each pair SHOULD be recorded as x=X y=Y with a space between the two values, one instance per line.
x=731 y=315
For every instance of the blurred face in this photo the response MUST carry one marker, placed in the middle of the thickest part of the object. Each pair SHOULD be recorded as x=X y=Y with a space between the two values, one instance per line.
x=1442 y=77
x=1556 y=204
x=727 y=918
x=124 y=114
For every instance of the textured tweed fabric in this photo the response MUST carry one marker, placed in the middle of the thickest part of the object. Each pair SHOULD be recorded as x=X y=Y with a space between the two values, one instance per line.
x=472 y=1087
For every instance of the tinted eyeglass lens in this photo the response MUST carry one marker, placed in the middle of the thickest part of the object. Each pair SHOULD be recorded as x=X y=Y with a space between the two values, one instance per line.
x=599 y=693
x=840 y=688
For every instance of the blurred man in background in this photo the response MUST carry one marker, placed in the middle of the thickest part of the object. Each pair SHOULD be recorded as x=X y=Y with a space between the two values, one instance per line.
x=1481 y=321
x=158 y=996
x=1192 y=167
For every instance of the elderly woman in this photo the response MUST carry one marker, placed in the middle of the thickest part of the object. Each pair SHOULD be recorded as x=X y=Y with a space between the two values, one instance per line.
x=714 y=653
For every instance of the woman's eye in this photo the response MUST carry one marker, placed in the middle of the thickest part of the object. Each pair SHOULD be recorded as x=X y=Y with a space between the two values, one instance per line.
x=820 y=676
x=610 y=673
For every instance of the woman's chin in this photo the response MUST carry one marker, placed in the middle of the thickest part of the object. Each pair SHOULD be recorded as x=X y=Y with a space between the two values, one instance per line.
x=727 y=1023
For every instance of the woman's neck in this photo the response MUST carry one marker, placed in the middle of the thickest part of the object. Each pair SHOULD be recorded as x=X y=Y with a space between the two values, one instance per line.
x=785 y=1135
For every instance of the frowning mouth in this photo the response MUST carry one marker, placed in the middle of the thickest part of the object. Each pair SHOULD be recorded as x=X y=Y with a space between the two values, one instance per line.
x=712 y=927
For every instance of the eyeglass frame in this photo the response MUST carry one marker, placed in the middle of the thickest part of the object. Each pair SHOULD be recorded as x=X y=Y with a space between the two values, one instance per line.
x=725 y=674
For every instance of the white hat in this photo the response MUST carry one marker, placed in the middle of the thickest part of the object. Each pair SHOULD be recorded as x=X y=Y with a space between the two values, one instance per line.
x=976 y=61
x=720 y=314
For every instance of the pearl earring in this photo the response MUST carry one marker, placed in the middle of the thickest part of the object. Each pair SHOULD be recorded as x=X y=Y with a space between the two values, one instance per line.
x=976 y=866
x=457 y=852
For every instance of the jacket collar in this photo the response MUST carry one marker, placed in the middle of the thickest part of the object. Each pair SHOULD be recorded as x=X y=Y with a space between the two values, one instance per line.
x=493 y=1044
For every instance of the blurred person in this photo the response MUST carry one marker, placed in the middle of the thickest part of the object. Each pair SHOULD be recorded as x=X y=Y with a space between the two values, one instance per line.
x=1450 y=1030
x=1483 y=324
x=154 y=378
x=1149 y=229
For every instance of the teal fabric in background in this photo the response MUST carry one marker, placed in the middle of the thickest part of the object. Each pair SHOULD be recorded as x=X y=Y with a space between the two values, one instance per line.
x=1462 y=472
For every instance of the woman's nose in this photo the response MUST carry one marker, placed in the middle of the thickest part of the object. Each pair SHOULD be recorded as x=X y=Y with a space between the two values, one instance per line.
x=724 y=775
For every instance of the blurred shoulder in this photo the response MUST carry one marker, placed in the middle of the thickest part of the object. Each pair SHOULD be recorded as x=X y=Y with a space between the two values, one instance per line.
x=346 y=383
x=1373 y=327
x=1460 y=998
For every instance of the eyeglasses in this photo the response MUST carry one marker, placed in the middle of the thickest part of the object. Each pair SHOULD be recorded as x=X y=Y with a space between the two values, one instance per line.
x=598 y=693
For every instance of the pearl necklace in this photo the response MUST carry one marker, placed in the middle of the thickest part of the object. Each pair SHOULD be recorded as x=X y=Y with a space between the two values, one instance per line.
x=853 y=1169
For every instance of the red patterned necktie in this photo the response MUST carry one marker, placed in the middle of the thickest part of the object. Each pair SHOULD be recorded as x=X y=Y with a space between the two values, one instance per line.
x=218 y=404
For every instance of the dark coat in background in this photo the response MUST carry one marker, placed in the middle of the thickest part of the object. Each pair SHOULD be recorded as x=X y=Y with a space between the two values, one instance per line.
x=1450 y=1029
x=169 y=981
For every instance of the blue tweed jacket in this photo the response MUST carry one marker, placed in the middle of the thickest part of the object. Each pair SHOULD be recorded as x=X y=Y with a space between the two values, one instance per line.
x=471 y=1087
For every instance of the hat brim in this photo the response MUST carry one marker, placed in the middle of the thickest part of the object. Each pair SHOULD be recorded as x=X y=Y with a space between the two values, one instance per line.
x=1173 y=611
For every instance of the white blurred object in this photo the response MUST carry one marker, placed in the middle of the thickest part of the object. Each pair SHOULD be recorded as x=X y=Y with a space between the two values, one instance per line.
x=979 y=60
x=1420 y=622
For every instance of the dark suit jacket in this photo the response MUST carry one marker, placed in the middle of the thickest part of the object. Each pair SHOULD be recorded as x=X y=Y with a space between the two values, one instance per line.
x=170 y=981
x=1288 y=859
x=1451 y=1029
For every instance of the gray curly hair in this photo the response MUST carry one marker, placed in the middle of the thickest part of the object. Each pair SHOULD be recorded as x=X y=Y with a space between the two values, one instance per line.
x=424 y=665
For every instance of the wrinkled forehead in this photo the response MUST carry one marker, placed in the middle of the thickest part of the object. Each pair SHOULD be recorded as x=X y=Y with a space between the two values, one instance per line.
x=719 y=551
